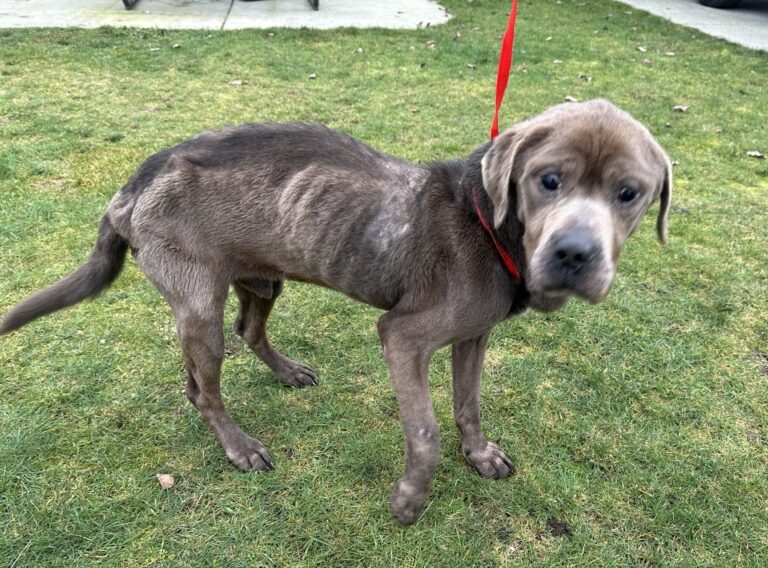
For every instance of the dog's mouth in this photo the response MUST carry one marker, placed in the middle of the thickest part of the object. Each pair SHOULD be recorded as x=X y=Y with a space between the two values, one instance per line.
x=547 y=302
x=551 y=298
x=553 y=280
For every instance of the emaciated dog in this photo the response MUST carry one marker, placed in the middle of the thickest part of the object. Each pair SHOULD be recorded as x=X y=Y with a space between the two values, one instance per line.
x=448 y=250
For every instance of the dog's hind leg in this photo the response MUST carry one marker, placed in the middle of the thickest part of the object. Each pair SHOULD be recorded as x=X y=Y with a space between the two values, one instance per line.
x=202 y=343
x=256 y=300
x=197 y=294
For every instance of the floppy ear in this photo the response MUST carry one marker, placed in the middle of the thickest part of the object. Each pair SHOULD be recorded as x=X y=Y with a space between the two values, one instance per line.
x=665 y=200
x=497 y=169
x=499 y=162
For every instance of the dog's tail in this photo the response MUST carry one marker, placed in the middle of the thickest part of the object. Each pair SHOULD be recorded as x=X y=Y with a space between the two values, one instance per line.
x=95 y=274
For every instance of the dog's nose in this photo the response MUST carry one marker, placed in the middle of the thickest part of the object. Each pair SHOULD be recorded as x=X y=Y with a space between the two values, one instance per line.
x=574 y=251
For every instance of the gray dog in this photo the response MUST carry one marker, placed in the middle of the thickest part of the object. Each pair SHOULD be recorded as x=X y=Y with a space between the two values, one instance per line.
x=449 y=250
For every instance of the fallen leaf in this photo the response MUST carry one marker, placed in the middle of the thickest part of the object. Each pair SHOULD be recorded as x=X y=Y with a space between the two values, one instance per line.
x=680 y=108
x=570 y=99
x=166 y=481
x=756 y=154
x=646 y=61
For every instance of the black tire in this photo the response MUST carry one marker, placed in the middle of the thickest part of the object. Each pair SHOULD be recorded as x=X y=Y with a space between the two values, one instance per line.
x=720 y=3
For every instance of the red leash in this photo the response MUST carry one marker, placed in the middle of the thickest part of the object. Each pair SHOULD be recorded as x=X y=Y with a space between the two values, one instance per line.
x=502 y=78
x=505 y=64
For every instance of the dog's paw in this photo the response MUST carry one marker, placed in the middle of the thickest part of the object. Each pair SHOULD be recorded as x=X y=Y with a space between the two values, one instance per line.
x=407 y=502
x=248 y=454
x=491 y=461
x=296 y=375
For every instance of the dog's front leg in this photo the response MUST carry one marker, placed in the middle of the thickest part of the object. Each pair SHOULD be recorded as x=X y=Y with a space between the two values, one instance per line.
x=467 y=362
x=407 y=355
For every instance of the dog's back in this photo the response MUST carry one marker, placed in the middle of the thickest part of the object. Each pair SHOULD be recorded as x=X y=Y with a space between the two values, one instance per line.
x=270 y=201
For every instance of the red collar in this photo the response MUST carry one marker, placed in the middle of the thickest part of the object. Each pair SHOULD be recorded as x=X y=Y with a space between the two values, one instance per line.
x=506 y=258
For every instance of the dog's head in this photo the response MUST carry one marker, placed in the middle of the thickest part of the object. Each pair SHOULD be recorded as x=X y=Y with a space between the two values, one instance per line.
x=584 y=175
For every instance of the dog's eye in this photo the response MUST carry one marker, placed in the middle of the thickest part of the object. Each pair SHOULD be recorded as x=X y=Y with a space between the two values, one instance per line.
x=627 y=194
x=551 y=182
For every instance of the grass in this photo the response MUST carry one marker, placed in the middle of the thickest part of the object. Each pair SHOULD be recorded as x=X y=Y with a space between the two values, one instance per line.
x=641 y=424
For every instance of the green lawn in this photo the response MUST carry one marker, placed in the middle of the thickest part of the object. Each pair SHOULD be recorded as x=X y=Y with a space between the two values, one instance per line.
x=640 y=424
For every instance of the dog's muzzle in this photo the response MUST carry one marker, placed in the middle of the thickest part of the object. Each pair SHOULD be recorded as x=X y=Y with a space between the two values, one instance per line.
x=573 y=262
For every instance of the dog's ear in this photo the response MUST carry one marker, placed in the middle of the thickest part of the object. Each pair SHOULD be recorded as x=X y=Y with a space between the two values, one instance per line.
x=665 y=199
x=501 y=160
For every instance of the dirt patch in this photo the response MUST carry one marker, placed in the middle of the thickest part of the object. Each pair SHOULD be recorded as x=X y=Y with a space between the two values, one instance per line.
x=762 y=360
x=558 y=528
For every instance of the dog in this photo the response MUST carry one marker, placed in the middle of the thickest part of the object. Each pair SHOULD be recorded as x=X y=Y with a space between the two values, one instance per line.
x=448 y=250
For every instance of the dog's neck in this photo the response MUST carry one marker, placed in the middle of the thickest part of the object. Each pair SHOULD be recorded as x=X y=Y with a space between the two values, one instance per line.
x=472 y=197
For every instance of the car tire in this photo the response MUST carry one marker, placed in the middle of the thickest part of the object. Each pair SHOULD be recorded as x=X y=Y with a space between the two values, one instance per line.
x=720 y=3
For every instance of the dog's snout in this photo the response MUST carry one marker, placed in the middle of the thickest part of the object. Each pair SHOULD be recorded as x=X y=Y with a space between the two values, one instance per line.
x=574 y=251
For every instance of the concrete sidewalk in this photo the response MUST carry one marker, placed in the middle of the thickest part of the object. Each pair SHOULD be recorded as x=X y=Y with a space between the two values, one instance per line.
x=746 y=25
x=221 y=14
